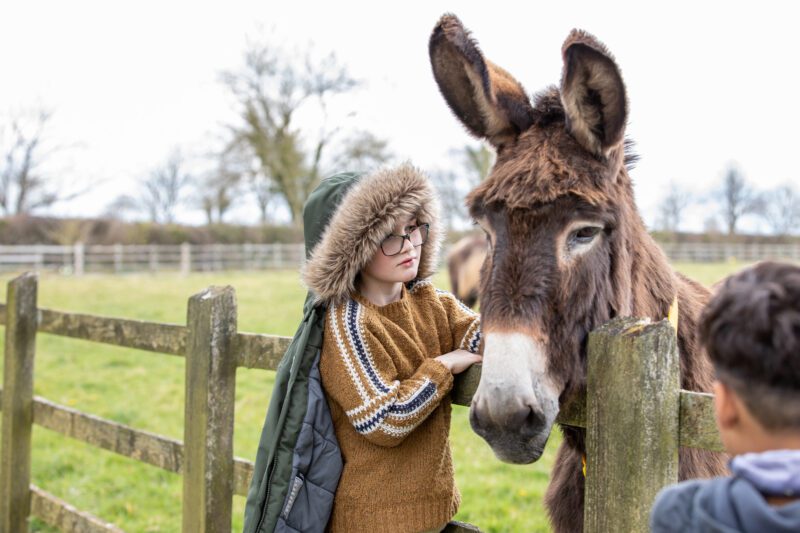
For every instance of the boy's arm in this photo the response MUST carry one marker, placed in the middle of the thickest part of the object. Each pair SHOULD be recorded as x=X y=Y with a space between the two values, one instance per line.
x=465 y=324
x=359 y=374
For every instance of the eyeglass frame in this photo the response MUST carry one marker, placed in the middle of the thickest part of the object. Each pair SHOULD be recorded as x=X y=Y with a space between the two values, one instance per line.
x=427 y=227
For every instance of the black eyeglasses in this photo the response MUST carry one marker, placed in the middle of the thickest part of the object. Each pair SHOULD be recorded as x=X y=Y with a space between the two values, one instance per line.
x=393 y=244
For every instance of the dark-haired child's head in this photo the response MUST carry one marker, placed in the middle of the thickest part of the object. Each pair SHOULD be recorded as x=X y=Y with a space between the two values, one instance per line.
x=751 y=331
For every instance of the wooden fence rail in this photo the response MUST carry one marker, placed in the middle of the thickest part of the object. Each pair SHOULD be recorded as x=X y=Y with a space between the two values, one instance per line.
x=659 y=417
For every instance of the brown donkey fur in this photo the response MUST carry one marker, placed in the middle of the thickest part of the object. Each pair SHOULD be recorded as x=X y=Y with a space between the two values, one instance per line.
x=568 y=250
x=464 y=262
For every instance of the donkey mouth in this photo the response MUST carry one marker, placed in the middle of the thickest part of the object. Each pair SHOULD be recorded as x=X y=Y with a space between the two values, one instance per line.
x=509 y=445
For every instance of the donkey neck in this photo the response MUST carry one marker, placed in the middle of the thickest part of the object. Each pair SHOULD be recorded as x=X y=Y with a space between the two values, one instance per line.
x=653 y=283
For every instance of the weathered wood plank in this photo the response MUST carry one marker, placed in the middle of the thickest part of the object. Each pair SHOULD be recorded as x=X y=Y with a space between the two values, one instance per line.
x=242 y=475
x=465 y=384
x=208 y=420
x=64 y=517
x=633 y=413
x=698 y=423
x=149 y=448
x=143 y=446
x=259 y=351
x=15 y=452
x=252 y=350
x=150 y=336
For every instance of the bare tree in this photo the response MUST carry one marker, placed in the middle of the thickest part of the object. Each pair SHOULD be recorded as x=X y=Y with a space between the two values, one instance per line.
x=161 y=190
x=737 y=197
x=24 y=185
x=217 y=192
x=264 y=190
x=672 y=206
x=780 y=207
x=271 y=88
x=362 y=151
x=122 y=206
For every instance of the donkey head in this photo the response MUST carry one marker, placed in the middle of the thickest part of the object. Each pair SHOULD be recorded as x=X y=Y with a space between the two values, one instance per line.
x=557 y=210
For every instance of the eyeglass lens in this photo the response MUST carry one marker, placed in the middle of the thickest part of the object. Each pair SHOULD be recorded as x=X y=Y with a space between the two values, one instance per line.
x=393 y=244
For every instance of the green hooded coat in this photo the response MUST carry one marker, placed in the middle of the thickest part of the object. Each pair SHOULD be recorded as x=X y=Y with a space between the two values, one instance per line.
x=288 y=458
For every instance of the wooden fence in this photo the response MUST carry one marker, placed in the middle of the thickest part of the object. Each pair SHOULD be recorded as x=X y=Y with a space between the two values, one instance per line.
x=636 y=414
x=79 y=259
x=717 y=252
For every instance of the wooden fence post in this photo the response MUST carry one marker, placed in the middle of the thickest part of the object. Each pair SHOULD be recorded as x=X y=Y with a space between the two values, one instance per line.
x=186 y=258
x=118 y=253
x=153 y=257
x=78 y=259
x=208 y=422
x=633 y=403
x=247 y=252
x=15 y=454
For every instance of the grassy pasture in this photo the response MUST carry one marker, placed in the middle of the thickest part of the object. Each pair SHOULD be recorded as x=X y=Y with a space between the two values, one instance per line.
x=145 y=390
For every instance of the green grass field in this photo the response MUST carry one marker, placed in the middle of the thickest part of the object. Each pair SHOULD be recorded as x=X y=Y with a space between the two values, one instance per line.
x=145 y=390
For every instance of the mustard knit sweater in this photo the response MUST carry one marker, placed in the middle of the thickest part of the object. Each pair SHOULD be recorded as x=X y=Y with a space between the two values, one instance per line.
x=391 y=409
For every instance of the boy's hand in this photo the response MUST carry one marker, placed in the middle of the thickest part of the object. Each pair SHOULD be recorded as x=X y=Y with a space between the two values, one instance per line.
x=459 y=360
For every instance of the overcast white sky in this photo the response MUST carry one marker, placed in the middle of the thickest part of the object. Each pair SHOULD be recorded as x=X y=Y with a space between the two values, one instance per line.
x=709 y=83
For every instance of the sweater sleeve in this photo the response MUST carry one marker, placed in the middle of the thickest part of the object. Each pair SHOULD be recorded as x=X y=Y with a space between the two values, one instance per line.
x=359 y=374
x=465 y=324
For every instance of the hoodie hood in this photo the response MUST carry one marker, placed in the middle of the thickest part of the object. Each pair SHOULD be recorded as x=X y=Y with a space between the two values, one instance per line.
x=349 y=214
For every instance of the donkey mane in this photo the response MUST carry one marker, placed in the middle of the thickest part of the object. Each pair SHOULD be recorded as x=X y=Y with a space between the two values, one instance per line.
x=563 y=169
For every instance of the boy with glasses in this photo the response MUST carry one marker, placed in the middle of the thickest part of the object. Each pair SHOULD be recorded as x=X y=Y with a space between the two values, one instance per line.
x=391 y=345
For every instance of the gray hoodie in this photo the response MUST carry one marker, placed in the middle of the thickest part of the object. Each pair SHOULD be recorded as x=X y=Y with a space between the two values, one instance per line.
x=734 y=504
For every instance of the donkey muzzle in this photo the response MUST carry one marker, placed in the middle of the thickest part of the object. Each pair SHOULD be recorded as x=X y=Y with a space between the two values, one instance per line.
x=515 y=404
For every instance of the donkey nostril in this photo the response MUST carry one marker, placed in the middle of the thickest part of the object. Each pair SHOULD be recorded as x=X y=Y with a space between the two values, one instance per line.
x=531 y=423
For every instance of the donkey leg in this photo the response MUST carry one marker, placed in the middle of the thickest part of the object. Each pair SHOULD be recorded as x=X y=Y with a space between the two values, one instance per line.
x=564 y=496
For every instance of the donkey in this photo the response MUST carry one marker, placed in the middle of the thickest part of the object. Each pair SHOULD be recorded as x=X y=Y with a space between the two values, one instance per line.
x=568 y=250
x=464 y=261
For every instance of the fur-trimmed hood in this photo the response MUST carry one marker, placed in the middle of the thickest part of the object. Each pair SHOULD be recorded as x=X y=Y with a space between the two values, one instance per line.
x=348 y=216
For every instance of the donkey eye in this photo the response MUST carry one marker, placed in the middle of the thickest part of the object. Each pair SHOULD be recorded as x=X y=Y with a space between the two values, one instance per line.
x=485 y=232
x=584 y=235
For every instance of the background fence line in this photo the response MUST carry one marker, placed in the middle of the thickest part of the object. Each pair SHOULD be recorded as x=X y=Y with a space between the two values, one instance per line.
x=79 y=258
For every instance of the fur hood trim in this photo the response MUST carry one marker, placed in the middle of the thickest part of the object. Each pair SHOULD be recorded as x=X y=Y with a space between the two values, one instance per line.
x=368 y=212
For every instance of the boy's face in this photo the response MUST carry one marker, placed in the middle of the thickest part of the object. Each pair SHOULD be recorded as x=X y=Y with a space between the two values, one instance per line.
x=739 y=430
x=396 y=268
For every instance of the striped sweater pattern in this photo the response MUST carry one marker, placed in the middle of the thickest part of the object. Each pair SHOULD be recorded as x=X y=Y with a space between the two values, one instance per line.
x=390 y=407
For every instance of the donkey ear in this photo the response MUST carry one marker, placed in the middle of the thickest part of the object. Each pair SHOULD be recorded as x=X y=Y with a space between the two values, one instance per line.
x=484 y=97
x=593 y=94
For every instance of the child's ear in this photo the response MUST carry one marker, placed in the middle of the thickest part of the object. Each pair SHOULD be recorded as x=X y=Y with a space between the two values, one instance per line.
x=726 y=407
